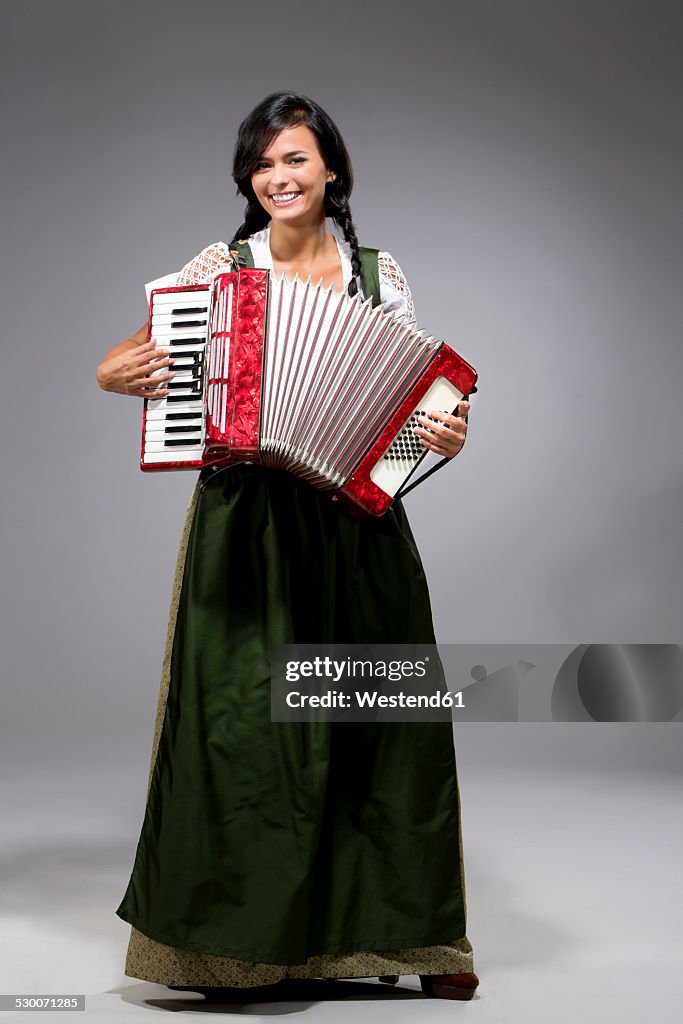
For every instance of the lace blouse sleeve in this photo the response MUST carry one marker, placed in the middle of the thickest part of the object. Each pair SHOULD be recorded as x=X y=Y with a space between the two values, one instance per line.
x=200 y=270
x=394 y=290
x=205 y=266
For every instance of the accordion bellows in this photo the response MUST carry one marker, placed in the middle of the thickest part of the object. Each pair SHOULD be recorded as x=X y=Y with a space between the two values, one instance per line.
x=300 y=377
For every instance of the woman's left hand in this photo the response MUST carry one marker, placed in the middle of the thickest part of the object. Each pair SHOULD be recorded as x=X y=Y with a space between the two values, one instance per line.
x=446 y=437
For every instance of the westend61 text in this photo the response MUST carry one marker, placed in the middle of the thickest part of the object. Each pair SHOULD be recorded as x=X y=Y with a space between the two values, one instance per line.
x=372 y=699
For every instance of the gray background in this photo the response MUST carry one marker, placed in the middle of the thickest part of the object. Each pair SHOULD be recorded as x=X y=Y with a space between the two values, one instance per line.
x=522 y=162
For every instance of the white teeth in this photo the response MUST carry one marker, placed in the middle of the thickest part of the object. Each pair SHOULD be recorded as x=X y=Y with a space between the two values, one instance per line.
x=284 y=197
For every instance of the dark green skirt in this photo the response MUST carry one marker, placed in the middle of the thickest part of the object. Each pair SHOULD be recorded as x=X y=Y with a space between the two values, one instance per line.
x=275 y=841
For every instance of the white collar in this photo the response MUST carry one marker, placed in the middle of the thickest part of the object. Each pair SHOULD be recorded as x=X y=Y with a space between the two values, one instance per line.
x=263 y=258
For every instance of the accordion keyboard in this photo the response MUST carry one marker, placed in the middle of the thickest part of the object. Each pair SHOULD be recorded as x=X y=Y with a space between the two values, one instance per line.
x=174 y=425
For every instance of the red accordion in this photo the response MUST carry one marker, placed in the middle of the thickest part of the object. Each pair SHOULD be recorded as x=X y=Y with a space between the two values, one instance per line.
x=301 y=378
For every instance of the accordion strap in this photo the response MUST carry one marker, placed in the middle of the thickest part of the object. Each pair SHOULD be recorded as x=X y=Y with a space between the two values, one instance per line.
x=245 y=256
x=369 y=262
x=439 y=465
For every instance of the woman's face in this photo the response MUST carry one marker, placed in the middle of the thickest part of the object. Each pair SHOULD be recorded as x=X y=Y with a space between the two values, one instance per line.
x=290 y=177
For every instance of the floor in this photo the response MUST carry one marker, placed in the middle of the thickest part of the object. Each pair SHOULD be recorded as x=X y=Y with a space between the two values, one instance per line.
x=574 y=900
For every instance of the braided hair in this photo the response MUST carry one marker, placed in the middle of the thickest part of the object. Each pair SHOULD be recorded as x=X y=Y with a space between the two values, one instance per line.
x=286 y=110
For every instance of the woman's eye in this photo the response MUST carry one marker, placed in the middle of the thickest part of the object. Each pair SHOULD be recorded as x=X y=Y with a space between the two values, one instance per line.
x=297 y=159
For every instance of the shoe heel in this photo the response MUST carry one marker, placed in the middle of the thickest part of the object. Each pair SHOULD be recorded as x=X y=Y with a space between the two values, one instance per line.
x=426 y=984
x=389 y=979
x=437 y=990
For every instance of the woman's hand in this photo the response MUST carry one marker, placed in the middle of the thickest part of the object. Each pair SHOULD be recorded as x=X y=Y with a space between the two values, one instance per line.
x=134 y=371
x=446 y=437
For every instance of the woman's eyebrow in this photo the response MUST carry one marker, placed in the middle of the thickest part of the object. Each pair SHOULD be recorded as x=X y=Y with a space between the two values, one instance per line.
x=292 y=152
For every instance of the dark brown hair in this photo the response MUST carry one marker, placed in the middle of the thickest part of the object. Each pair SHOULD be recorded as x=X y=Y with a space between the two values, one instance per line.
x=286 y=110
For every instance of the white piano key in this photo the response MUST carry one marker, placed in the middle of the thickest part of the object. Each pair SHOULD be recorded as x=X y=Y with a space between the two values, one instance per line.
x=156 y=441
x=196 y=321
x=182 y=350
x=179 y=344
x=158 y=432
x=193 y=298
x=162 y=404
x=193 y=337
x=178 y=455
x=187 y=374
x=154 y=445
x=162 y=416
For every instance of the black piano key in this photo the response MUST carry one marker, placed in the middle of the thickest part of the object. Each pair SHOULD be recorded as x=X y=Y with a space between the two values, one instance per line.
x=178 y=442
x=183 y=416
x=175 y=385
x=184 y=341
x=183 y=430
x=189 y=323
x=178 y=311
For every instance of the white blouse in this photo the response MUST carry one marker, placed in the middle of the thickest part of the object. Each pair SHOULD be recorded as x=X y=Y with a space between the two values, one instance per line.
x=394 y=290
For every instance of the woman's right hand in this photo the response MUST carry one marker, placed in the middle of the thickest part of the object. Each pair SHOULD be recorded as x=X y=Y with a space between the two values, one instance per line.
x=135 y=371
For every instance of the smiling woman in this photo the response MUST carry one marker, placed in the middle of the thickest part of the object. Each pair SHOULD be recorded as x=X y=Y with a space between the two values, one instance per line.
x=289 y=181
x=283 y=850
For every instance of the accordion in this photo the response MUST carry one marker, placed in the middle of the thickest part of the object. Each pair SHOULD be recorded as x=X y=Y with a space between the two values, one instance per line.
x=300 y=378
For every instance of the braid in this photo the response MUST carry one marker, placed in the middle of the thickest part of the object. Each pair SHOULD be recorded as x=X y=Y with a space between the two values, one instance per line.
x=255 y=218
x=337 y=206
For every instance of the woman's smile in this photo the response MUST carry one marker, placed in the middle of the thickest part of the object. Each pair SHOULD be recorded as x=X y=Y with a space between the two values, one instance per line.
x=285 y=198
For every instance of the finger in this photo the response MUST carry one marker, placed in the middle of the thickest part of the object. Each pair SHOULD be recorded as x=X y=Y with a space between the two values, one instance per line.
x=148 y=346
x=445 y=417
x=148 y=354
x=153 y=344
x=431 y=446
x=156 y=353
x=147 y=393
x=141 y=379
x=157 y=362
x=441 y=448
x=449 y=425
x=426 y=433
x=434 y=446
x=152 y=380
x=444 y=424
x=445 y=433
x=153 y=389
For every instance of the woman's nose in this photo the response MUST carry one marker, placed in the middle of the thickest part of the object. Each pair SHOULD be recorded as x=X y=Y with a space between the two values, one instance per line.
x=279 y=176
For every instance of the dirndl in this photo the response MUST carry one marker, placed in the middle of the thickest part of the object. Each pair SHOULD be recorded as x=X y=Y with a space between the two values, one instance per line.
x=283 y=842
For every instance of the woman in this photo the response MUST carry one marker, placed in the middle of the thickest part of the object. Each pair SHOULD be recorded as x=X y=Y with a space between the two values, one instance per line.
x=274 y=850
